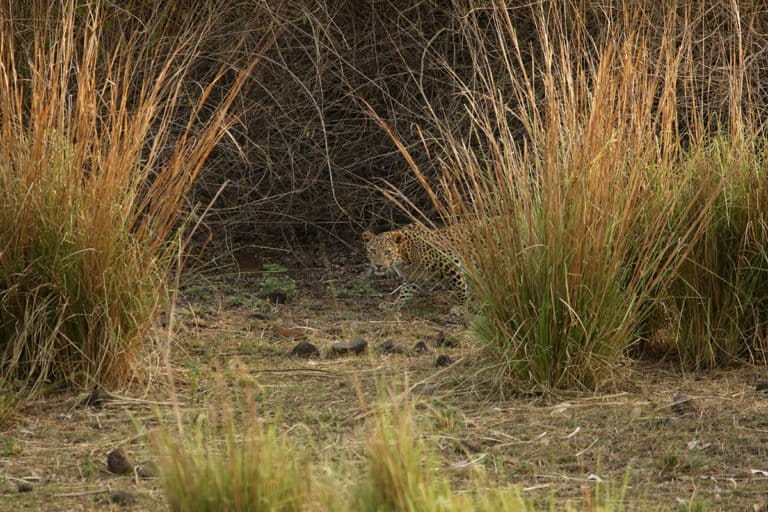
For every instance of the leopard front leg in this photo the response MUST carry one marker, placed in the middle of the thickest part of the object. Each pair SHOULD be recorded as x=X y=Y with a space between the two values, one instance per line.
x=463 y=294
x=406 y=291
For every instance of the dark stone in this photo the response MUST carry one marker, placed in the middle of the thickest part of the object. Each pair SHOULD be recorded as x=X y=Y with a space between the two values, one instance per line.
x=762 y=387
x=390 y=347
x=276 y=296
x=443 y=360
x=682 y=404
x=356 y=346
x=122 y=498
x=468 y=447
x=305 y=349
x=420 y=347
x=441 y=340
x=96 y=398
x=25 y=487
x=118 y=463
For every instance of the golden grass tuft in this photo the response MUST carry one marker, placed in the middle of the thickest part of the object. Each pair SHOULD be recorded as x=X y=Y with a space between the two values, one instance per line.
x=230 y=465
x=94 y=170
x=599 y=185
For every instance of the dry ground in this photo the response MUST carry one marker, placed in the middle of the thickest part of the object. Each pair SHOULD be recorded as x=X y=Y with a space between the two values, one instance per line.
x=711 y=458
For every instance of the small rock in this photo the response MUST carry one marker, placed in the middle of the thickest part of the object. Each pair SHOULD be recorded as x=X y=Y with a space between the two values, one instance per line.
x=118 y=463
x=96 y=398
x=122 y=498
x=147 y=471
x=441 y=340
x=443 y=360
x=762 y=387
x=25 y=487
x=390 y=347
x=276 y=296
x=682 y=404
x=420 y=347
x=467 y=446
x=356 y=346
x=305 y=349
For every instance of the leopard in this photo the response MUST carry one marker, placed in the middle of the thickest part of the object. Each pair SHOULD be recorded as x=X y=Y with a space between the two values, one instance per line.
x=418 y=254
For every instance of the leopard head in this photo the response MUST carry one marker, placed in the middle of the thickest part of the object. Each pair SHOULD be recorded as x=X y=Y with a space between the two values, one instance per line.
x=384 y=251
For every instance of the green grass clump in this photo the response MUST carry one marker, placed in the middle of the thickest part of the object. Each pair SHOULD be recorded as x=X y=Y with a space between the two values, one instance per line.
x=606 y=202
x=719 y=299
x=94 y=169
x=570 y=195
x=399 y=477
x=253 y=469
x=404 y=477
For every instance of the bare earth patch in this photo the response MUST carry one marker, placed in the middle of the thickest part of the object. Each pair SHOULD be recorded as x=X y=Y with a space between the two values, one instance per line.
x=708 y=451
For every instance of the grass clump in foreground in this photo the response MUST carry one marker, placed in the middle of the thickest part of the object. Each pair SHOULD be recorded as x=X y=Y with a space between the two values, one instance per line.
x=254 y=468
x=401 y=474
x=232 y=462
x=93 y=172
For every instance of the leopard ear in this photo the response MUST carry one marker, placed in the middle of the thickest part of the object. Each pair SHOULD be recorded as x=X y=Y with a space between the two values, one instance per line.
x=397 y=237
x=367 y=235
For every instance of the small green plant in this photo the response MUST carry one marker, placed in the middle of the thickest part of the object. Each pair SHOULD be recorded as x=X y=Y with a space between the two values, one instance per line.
x=276 y=280
x=357 y=288
x=248 y=346
x=695 y=505
x=8 y=400
x=197 y=292
x=673 y=462
x=241 y=301
x=13 y=447
x=87 y=469
x=195 y=370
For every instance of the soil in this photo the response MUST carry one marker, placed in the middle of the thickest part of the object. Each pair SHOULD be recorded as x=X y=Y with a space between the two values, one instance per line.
x=638 y=442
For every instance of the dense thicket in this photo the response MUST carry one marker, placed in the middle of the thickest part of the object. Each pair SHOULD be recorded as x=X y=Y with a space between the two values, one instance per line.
x=307 y=155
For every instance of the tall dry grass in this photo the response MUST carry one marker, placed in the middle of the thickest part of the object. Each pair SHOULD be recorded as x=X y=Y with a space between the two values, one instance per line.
x=595 y=185
x=718 y=303
x=99 y=145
